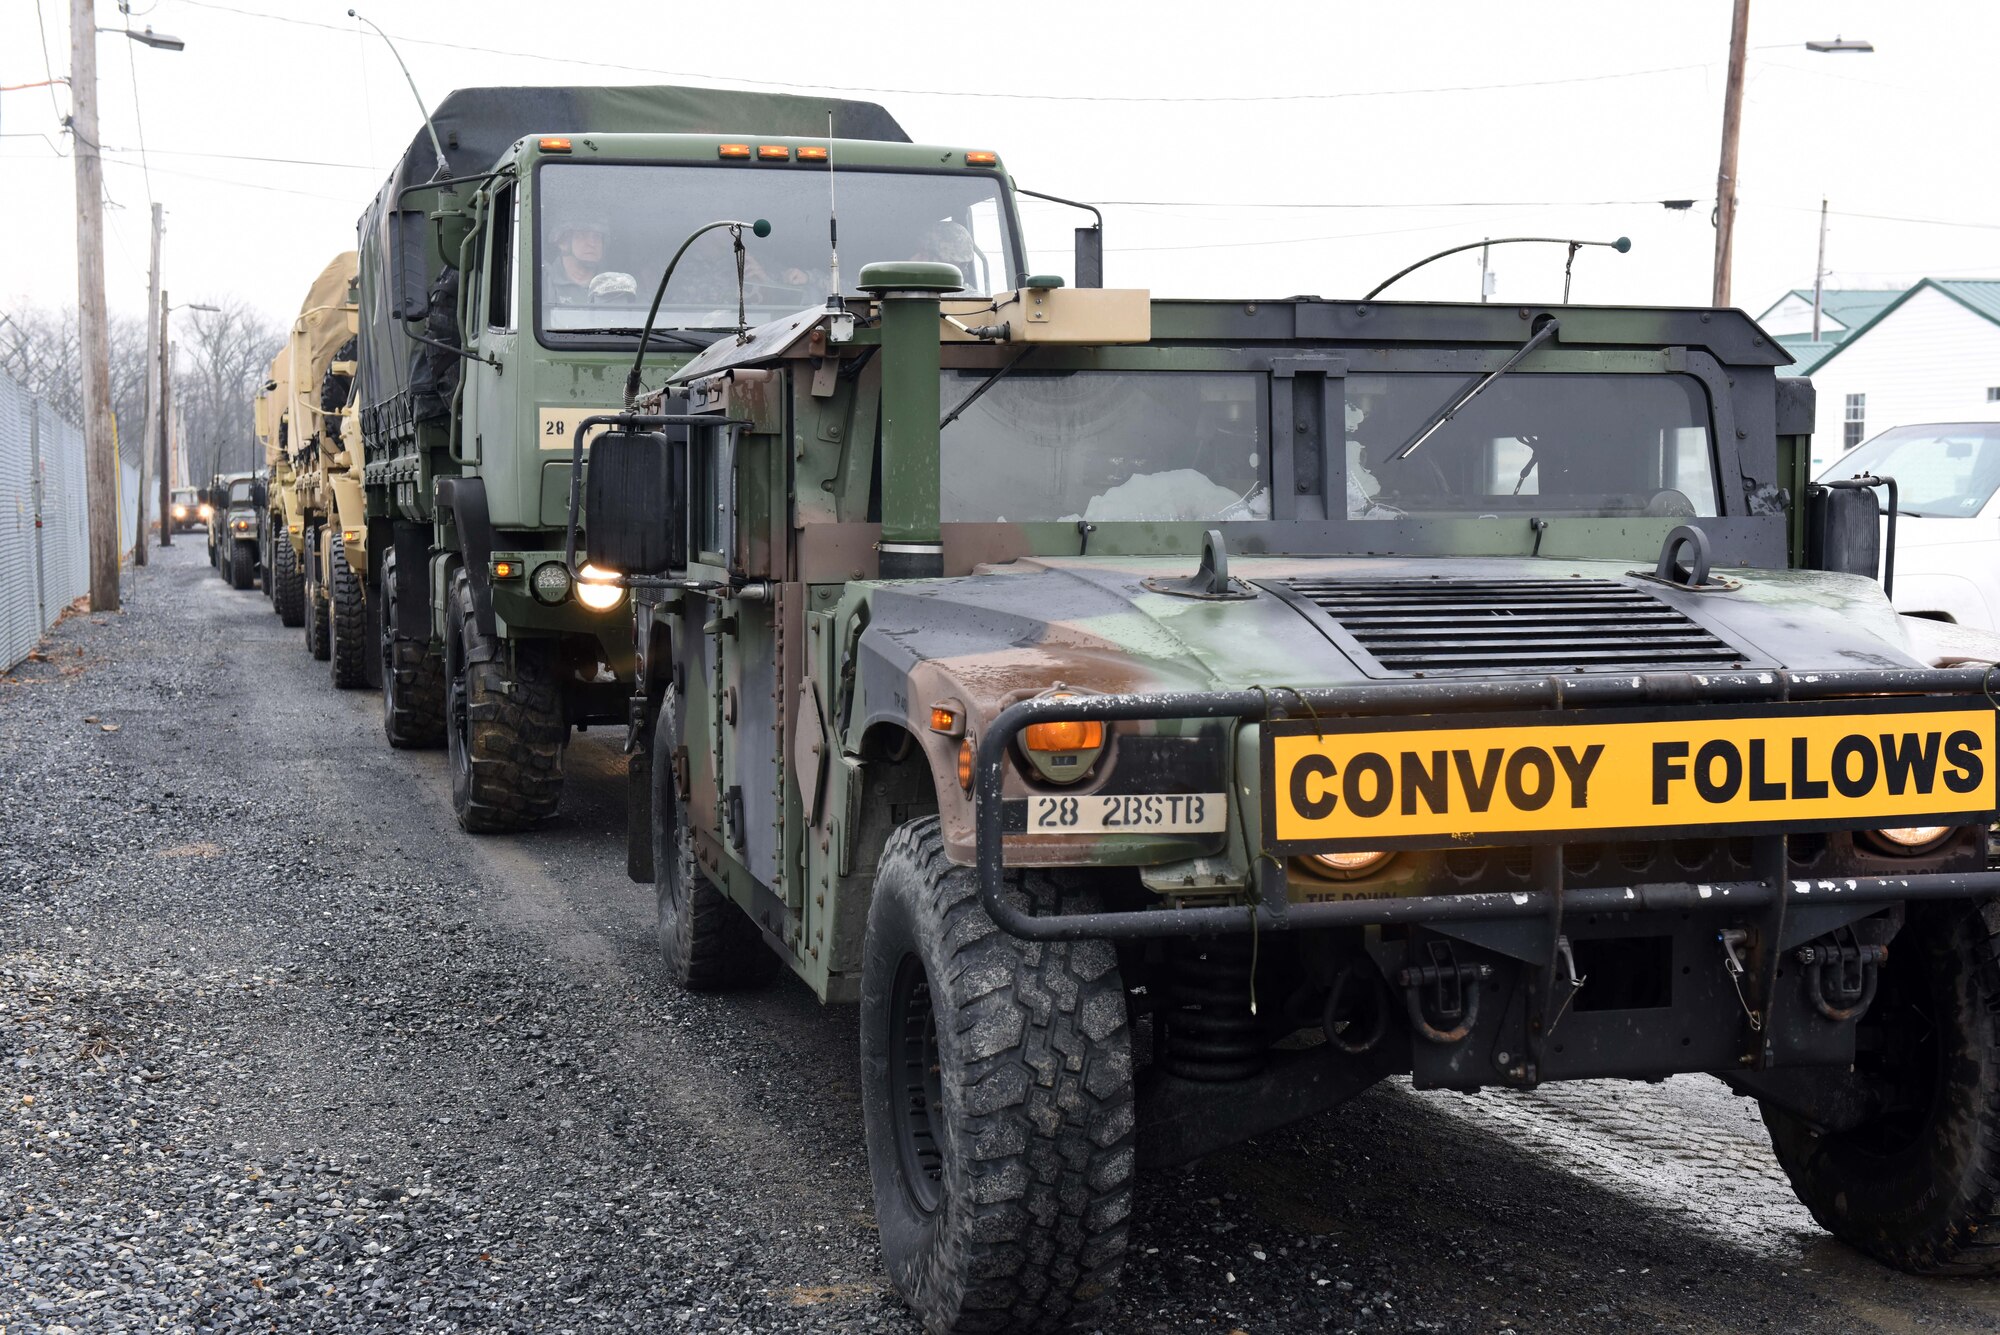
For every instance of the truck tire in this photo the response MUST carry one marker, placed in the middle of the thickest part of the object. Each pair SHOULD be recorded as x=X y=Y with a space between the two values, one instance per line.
x=1918 y=1188
x=412 y=677
x=707 y=943
x=242 y=565
x=347 y=618
x=996 y=1093
x=505 y=731
x=315 y=598
x=267 y=561
x=287 y=583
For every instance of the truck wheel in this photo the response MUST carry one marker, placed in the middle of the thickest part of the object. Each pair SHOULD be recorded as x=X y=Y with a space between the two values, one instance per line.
x=315 y=598
x=287 y=584
x=996 y=1093
x=1918 y=1188
x=412 y=677
x=347 y=624
x=505 y=731
x=242 y=565
x=267 y=561
x=707 y=943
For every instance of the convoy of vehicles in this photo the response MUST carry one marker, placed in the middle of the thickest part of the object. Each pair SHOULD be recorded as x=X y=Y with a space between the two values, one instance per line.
x=1162 y=720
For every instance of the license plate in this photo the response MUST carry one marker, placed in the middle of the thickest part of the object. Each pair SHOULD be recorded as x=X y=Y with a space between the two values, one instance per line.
x=1129 y=813
x=1432 y=782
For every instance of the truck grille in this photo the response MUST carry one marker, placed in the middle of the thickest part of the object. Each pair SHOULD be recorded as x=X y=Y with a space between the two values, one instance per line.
x=1512 y=625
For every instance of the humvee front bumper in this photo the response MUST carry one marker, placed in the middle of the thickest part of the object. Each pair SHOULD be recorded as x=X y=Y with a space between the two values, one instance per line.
x=1771 y=891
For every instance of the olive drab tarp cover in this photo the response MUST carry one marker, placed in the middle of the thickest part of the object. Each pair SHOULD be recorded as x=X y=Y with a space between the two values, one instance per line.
x=477 y=125
x=321 y=327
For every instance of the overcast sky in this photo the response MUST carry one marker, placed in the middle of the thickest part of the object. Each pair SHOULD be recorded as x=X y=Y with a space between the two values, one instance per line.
x=1248 y=149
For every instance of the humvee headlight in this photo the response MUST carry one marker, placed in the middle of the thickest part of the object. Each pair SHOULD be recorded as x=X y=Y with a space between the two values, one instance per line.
x=1911 y=838
x=550 y=583
x=206 y=511
x=1063 y=751
x=595 y=590
x=1347 y=866
x=180 y=512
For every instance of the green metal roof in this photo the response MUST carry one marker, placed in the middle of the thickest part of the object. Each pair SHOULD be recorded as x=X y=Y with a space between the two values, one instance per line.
x=1981 y=296
x=1807 y=354
x=1850 y=307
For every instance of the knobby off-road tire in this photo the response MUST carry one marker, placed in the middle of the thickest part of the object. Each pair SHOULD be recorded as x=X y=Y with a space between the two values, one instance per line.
x=1919 y=1188
x=412 y=677
x=347 y=618
x=242 y=565
x=505 y=731
x=996 y=1080
x=288 y=590
x=317 y=642
x=267 y=561
x=707 y=943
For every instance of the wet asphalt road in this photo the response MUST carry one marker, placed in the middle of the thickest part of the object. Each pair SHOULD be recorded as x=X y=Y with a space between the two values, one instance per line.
x=281 y=1049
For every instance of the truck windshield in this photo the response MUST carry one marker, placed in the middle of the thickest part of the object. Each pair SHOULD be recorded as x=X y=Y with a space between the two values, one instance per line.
x=1942 y=472
x=607 y=231
x=1106 y=445
x=239 y=493
x=1533 y=443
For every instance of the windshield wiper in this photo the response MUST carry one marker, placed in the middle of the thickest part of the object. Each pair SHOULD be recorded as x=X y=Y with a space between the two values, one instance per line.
x=631 y=332
x=1539 y=337
x=984 y=385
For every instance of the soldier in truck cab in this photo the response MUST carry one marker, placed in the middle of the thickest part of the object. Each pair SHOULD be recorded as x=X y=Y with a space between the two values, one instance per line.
x=577 y=276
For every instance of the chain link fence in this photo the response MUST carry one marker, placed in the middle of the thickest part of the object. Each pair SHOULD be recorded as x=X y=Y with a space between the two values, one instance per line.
x=44 y=523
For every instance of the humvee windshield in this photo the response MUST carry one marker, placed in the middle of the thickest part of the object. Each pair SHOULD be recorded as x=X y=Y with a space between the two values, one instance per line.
x=1196 y=445
x=607 y=231
x=240 y=492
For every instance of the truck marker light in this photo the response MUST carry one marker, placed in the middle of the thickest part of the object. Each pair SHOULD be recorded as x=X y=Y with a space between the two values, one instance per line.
x=812 y=153
x=774 y=152
x=350 y=535
x=944 y=720
x=982 y=158
x=506 y=569
x=732 y=150
x=965 y=764
x=554 y=144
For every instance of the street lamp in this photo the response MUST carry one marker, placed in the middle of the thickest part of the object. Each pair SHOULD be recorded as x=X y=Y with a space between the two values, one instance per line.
x=1732 y=117
x=159 y=41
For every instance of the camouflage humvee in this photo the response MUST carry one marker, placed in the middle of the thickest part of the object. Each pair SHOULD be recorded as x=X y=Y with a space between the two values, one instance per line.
x=237 y=500
x=1167 y=719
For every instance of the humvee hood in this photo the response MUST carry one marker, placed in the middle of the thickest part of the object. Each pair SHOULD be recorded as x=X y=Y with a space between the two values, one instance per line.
x=1016 y=629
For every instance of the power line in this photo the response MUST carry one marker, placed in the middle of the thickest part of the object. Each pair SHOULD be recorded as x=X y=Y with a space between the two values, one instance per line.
x=48 y=69
x=251 y=157
x=969 y=93
x=138 y=115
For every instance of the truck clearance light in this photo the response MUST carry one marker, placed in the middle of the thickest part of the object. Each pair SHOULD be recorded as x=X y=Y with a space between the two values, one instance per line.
x=505 y=569
x=554 y=144
x=812 y=153
x=982 y=158
x=732 y=150
x=774 y=153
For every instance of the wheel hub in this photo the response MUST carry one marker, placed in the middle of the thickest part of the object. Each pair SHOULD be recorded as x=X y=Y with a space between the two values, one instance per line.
x=915 y=1087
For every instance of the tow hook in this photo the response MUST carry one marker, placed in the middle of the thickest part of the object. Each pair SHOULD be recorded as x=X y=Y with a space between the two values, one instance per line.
x=1841 y=975
x=1453 y=994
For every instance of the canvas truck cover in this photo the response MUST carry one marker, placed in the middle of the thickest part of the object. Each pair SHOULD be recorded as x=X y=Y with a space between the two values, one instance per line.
x=271 y=403
x=321 y=327
x=477 y=125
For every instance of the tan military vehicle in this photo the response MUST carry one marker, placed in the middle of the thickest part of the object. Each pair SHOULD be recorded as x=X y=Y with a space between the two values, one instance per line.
x=283 y=583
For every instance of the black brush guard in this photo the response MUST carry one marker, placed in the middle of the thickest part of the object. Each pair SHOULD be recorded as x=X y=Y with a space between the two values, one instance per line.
x=1769 y=893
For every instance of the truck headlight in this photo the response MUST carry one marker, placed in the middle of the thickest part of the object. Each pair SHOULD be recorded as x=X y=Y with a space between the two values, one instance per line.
x=1346 y=866
x=1065 y=750
x=550 y=583
x=206 y=511
x=595 y=591
x=1909 y=840
x=180 y=512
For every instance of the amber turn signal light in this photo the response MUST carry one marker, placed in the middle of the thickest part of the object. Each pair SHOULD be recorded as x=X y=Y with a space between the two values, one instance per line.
x=982 y=158
x=506 y=569
x=965 y=764
x=1070 y=735
x=944 y=720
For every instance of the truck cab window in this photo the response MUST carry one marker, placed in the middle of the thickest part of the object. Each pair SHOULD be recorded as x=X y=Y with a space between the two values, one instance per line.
x=500 y=260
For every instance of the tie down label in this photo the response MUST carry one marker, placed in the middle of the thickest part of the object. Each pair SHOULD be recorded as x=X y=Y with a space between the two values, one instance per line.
x=1430 y=782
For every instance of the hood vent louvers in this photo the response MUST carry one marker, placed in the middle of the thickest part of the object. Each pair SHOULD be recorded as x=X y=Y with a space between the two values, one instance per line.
x=1434 y=626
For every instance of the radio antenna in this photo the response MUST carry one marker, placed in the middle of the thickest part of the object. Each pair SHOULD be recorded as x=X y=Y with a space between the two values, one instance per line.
x=443 y=167
x=832 y=220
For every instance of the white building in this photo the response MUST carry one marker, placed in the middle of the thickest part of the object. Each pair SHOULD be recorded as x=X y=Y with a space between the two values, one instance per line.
x=1931 y=354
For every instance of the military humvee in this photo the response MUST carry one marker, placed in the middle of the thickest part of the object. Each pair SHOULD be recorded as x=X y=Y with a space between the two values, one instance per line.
x=1167 y=719
x=238 y=500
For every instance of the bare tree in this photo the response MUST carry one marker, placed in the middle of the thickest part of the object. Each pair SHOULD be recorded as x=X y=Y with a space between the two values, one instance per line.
x=38 y=350
x=222 y=357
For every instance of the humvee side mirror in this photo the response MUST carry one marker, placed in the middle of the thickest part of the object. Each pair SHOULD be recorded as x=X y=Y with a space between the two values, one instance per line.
x=1844 y=528
x=260 y=493
x=453 y=226
x=631 y=503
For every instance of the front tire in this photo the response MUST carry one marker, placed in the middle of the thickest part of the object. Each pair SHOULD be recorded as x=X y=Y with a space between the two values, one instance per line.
x=707 y=943
x=288 y=592
x=242 y=565
x=997 y=1099
x=347 y=619
x=1918 y=1188
x=315 y=598
x=505 y=731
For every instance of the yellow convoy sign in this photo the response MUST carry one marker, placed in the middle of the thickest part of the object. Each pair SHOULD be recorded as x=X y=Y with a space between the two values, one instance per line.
x=1404 y=783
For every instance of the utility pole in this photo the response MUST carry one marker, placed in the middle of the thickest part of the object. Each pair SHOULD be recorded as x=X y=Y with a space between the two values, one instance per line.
x=159 y=372
x=100 y=464
x=152 y=399
x=1819 y=268
x=1725 y=177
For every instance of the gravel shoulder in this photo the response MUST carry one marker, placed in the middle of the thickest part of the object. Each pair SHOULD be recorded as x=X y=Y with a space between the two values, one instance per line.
x=281 y=1049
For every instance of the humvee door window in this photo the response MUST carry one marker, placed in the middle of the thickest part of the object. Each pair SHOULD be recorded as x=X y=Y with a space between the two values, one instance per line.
x=1105 y=446
x=1549 y=445
x=606 y=232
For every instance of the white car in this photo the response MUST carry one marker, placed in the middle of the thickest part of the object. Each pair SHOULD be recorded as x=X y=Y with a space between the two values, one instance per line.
x=1948 y=522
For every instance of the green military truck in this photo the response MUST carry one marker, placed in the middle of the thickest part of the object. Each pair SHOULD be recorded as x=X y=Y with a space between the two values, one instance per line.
x=1258 y=712
x=235 y=528
x=506 y=270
